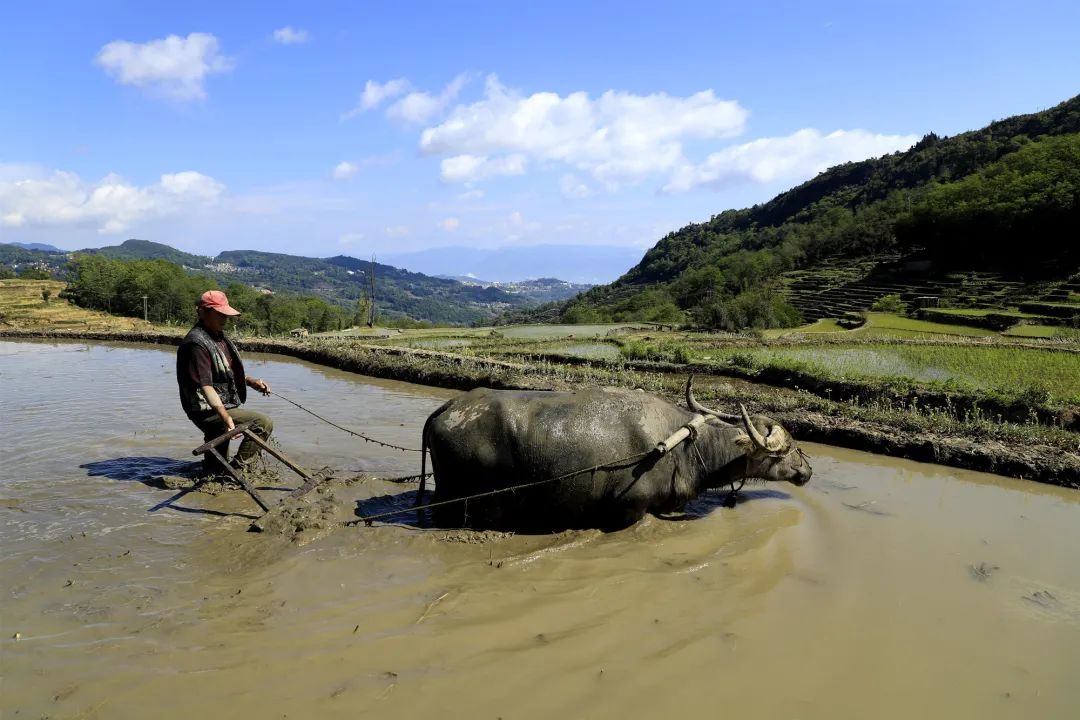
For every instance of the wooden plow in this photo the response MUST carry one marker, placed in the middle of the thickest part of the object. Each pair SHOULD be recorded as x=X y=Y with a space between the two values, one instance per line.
x=311 y=481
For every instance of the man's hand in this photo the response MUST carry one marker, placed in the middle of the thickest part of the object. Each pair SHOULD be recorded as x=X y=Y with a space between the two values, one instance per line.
x=259 y=385
x=229 y=424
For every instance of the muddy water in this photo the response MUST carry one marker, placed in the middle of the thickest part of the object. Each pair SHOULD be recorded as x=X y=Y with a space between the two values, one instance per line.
x=883 y=589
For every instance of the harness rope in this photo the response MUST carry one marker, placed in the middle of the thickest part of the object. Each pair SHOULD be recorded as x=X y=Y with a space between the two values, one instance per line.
x=360 y=435
x=368 y=519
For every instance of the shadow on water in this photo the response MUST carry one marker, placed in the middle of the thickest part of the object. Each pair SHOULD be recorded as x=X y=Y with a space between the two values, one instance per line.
x=401 y=507
x=398 y=509
x=155 y=472
x=147 y=470
x=707 y=503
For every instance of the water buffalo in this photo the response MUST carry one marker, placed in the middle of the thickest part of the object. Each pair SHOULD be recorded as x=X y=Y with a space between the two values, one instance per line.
x=486 y=440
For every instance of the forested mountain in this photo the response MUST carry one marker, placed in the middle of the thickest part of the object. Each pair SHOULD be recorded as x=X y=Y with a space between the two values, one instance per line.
x=1003 y=198
x=345 y=279
x=147 y=250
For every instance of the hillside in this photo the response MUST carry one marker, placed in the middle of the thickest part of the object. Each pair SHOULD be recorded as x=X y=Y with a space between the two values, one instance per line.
x=340 y=280
x=1004 y=199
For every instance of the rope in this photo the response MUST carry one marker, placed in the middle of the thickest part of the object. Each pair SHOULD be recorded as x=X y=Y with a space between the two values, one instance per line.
x=345 y=429
x=367 y=520
x=408 y=478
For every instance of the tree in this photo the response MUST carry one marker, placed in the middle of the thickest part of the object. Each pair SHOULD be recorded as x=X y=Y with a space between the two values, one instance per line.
x=46 y=293
x=362 y=310
x=889 y=303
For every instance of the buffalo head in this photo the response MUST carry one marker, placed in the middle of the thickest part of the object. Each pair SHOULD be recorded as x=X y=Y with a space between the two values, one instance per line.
x=771 y=453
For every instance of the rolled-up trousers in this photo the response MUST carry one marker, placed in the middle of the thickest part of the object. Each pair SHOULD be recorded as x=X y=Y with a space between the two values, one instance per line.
x=212 y=426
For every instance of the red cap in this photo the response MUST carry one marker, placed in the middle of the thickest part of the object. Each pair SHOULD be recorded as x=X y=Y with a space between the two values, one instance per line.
x=216 y=300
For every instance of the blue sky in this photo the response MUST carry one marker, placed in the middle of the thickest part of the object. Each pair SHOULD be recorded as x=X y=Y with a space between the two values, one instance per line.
x=360 y=128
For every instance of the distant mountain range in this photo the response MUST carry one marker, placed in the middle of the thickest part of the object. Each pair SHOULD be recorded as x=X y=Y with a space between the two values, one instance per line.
x=582 y=264
x=37 y=246
x=341 y=279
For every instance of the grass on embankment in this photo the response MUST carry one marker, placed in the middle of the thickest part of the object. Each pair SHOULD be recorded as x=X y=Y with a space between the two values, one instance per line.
x=1011 y=373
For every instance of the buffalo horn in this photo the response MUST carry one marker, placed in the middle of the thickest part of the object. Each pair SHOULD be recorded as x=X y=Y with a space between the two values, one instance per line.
x=697 y=407
x=752 y=431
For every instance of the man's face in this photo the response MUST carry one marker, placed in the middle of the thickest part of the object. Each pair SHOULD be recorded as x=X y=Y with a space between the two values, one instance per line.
x=212 y=320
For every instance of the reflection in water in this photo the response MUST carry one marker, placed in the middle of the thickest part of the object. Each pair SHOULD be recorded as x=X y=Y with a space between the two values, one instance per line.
x=868 y=593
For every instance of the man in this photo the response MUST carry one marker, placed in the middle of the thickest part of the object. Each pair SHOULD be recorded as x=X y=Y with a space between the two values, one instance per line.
x=213 y=385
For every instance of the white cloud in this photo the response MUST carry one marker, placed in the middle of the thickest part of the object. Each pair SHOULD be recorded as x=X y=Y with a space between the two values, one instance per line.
x=420 y=107
x=470 y=168
x=290 y=36
x=375 y=93
x=345 y=170
x=397 y=231
x=572 y=187
x=617 y=136
x=350 y=238
x=174 y=66
x=450 y=224
x=471 y=195
x=798 y=156
x=32 y=197
x=517 y=220
x=192 y=185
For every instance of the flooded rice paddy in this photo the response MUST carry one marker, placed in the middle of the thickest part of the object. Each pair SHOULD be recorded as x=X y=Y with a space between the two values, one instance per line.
x=591 y=351
x=547 y=332
x=884 y=588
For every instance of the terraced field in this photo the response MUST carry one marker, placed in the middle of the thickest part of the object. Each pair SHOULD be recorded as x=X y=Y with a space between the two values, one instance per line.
x=842 y=287
x=23 y=307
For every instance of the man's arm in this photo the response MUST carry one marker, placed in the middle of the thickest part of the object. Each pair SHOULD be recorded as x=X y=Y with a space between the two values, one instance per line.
x=214 y=399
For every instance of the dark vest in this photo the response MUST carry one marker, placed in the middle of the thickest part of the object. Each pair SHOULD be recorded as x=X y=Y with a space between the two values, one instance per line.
x=228 y=382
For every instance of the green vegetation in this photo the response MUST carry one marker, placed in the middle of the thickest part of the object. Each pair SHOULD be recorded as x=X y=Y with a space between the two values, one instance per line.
x=825 y=325
x=888 y=325
x=982 y=312
x=973 y=201
x=1009 y=373
x=890 y=303
x=34 y=273
x=97 y=282
x=665 y=351
x=1031 y=192
x=147 y=250
x=1042 y=331
x=341 y=280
